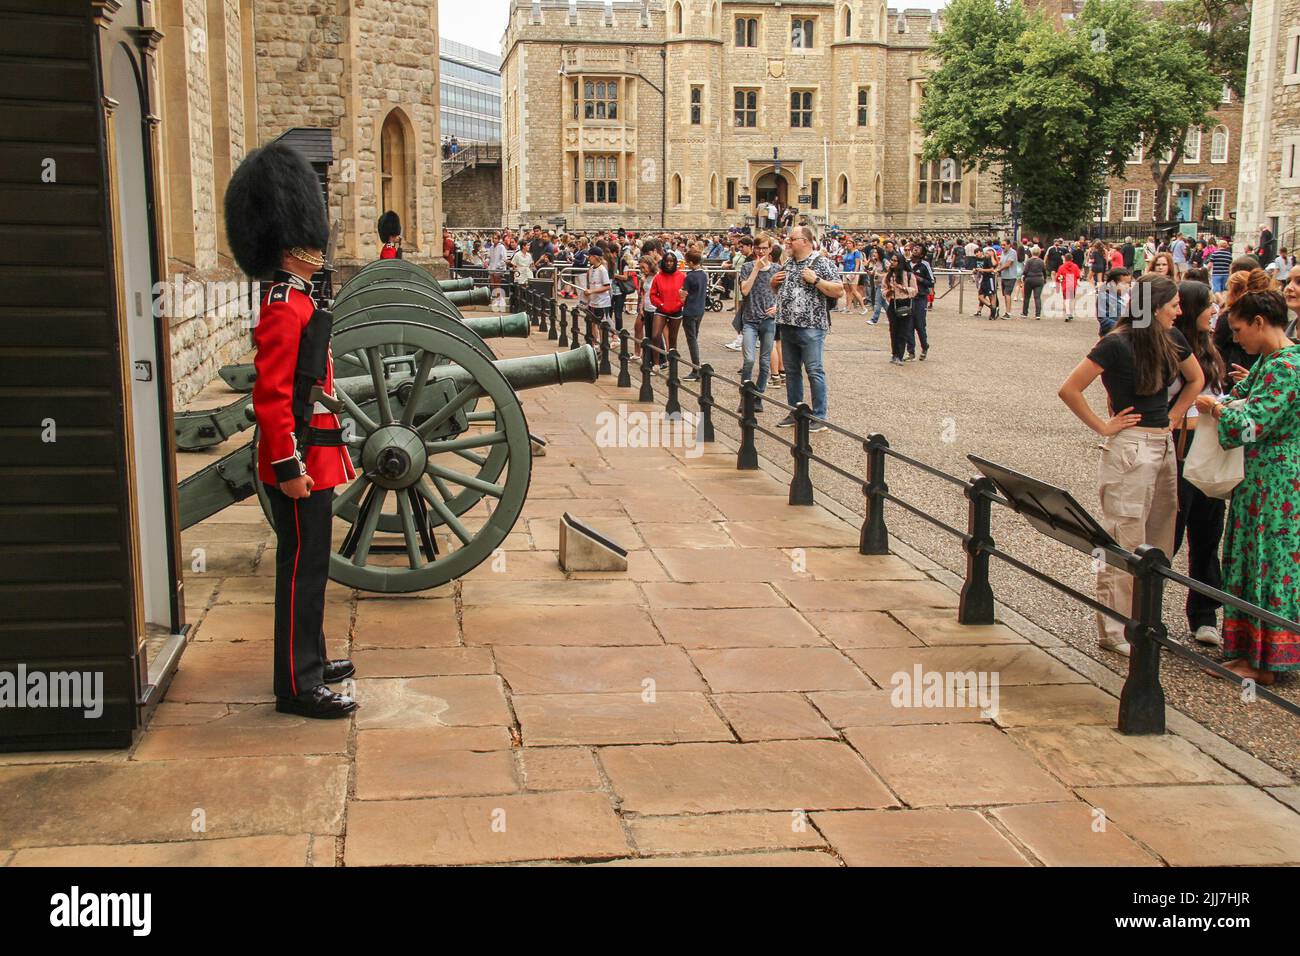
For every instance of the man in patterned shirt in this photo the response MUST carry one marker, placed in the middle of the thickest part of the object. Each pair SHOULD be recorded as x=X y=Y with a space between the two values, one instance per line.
x=806 y=288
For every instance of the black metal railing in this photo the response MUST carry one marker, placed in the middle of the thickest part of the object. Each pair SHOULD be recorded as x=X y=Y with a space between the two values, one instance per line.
x=1141 y=709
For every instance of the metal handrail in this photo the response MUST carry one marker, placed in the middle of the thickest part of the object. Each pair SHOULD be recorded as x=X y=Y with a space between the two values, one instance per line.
x=1141 y=710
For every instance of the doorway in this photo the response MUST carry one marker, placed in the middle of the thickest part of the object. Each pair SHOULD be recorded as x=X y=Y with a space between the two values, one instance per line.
x=771 y=187
x=1184 y=205
x=149 y=443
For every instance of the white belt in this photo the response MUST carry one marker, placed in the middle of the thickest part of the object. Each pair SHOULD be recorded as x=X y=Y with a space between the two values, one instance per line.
x=319 y=409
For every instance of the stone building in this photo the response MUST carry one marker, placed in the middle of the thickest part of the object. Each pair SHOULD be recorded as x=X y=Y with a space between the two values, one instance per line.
x=1269 y=190
x=687 y=113
x=226 y=76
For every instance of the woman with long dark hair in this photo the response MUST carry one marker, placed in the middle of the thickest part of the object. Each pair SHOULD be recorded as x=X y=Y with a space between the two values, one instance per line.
x=1260 y=546
x=1137 y=479
x=1200 y=517
x=899 y=290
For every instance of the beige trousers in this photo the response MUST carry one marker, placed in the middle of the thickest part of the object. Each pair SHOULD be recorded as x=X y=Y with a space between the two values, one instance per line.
x=1138 y=486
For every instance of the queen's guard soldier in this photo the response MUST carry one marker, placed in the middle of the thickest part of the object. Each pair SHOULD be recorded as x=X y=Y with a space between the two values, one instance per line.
x=277 y=226
x=390 y=234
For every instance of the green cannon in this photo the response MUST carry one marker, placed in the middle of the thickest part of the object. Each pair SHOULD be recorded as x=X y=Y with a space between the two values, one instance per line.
x=386 y=286
x=441 y=446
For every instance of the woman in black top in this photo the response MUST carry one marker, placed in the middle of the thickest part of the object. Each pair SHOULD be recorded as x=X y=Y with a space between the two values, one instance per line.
x=1199 y=515
x=1034 y=278
x=1137 y=480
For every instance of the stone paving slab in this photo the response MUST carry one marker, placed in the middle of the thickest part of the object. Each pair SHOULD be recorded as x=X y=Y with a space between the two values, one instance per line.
x=534 y=826
x=742 y=696
x=618 y=718
x=917 y=838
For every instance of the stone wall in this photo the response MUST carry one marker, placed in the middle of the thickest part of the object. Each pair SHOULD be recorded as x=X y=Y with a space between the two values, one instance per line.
x=473 y=198
x=676 y=174
x=342 y=65
x=1270 y=126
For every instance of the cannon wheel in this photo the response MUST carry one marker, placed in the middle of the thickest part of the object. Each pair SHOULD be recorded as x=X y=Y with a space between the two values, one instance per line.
x=489 y=466
x=416 y=476
x=382 y=269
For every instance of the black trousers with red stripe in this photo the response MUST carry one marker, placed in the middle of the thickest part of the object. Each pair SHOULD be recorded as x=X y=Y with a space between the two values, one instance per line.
x=302 y=557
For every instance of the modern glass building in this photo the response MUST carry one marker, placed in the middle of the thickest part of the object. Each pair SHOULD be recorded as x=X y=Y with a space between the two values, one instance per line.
x=471 y=93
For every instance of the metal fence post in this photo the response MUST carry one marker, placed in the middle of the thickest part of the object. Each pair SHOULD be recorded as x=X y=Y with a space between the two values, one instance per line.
x=605 y=368
x=706 y=403
x=747 y=454
x=976 y=605
x=1142 y=702
x=875 y=534
x=563 y=341
x=647 y=387
x=801 y=490
x=551 y=334
x=575 y=340
x=624 y=358
x=672 y=406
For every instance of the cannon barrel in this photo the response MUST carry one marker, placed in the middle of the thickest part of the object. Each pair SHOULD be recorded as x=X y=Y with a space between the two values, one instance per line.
x=240 y=378
x=480 y=296
x=528 y=371
x=512 y=326
x=455 y=285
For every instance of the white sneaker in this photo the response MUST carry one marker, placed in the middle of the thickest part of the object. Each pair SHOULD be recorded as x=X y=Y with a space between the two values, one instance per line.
x=1122 y=648
x=1208 y=635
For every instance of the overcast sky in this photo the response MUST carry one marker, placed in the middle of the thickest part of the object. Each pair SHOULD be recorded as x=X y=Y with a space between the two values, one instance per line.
x=480 y=23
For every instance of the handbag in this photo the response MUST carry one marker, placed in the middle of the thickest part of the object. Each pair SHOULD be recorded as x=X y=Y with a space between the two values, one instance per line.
x=1216 y=471
x=903 y=308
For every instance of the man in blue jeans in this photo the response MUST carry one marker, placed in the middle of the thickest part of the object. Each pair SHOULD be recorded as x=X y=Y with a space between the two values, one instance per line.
x=805 y=287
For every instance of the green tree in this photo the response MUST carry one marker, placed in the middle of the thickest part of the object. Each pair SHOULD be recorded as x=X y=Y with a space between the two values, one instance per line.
x=1057 y=110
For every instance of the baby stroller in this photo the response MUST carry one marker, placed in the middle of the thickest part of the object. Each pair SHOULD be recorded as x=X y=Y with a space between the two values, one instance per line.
x=713 y=294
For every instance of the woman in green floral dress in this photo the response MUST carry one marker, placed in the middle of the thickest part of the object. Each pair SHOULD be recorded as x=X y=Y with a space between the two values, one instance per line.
x=1261 y=549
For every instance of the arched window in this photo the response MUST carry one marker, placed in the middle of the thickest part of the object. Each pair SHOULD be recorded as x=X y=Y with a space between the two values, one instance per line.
x=848 y=22
x=393 y=164
x=677 y=18
x=714 y=21
x=880 y=29
x=878 y=192
x=713 y=191
x=1219 y=145
x=677 y=189
x=843 y=191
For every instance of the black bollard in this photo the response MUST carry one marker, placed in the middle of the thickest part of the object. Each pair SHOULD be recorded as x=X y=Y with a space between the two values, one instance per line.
x=624 y=358
x=976 y=605
x=875 y=534
x=801 y=489
x=747 y=454
x=647 y=359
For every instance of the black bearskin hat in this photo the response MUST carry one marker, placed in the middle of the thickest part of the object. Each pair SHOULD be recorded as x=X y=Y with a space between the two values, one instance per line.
x=273 y=204
x=390 y=226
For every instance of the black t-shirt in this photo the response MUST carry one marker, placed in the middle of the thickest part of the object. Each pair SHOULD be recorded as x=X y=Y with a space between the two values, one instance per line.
x=1114 y=353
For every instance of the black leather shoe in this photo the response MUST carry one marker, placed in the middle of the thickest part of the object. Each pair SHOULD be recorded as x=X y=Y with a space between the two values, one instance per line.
x=341 y=669
x=320 y=703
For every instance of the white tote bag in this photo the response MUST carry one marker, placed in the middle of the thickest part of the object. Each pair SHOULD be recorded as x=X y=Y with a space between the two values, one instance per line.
x=1211 y=468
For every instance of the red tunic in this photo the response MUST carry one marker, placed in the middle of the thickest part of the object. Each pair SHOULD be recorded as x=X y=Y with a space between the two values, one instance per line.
x=286 y=309
x=389 y=251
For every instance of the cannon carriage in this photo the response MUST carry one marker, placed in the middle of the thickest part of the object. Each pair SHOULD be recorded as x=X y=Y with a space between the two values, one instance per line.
x=434 y=427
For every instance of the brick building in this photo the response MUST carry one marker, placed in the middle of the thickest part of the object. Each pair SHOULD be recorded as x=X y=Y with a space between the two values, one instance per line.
x=1203 y=186
x=688 y=113
x=1270 y=142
